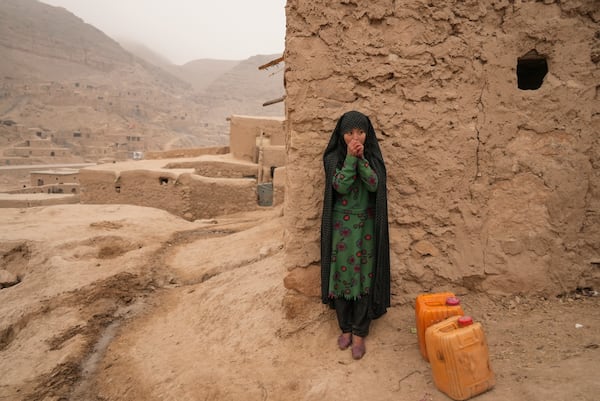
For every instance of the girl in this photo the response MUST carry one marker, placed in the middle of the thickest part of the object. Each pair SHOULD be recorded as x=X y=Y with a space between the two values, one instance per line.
x=355 y=262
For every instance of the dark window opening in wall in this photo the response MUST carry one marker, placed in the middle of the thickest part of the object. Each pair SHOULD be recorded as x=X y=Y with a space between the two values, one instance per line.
x=531 y=70
x=118 y=189
x=52 y=154
x=273 y=171
x=163 y=181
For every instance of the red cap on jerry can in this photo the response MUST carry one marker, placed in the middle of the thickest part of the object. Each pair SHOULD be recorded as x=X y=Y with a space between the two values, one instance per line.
x=452 y=301
x=464 y=321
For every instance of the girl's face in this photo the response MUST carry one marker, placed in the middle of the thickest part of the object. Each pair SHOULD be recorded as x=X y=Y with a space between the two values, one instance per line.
x=355 y=134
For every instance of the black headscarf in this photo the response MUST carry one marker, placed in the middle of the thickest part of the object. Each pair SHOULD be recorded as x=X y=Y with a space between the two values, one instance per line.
x=334 y=156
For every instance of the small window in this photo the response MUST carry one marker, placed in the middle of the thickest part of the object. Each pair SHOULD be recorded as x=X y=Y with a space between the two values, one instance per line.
x=163 y=180
x=531 y=70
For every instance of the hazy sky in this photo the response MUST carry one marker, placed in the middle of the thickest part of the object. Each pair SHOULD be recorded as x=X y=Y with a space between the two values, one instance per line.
x=184 y=30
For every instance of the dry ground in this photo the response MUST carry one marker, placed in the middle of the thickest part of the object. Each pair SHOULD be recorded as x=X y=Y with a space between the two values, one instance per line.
x=130 y=303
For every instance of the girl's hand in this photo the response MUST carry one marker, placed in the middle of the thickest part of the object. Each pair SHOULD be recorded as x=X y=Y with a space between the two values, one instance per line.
x=352 y=148
x=356 y=149
x=360 y=150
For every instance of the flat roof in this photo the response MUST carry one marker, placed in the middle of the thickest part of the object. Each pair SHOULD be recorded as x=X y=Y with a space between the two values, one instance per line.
x=56 y=172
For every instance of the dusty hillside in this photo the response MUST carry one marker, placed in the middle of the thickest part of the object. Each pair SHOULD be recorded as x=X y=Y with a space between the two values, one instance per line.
x=60 y=76
x=244 y=88
x=226 y=87
x=131 y=303
x=35 y=29
x=198 y=73
x=201 y=73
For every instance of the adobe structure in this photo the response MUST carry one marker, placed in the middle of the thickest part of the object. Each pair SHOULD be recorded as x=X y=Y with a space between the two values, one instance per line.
x=487 y=113
x=193 y=183
x=199 y=183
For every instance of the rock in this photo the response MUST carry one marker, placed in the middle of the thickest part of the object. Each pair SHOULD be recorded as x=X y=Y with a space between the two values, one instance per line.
x=426 y=248
x=8 y=279
x=264 y=252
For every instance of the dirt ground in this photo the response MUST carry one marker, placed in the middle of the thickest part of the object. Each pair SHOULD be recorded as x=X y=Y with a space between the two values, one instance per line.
x=120 y=302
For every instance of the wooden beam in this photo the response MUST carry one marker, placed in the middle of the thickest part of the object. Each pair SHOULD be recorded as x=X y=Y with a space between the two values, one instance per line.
x=279 y=99
x=271 y=63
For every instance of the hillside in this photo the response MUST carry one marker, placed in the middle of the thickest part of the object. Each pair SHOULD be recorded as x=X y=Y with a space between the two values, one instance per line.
x=49 y=43
x=66 y=82
x=244 y=88
x=199 y=73
x=223 y=86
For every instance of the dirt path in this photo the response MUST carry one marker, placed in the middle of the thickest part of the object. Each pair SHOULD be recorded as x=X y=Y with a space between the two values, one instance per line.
x=135 y=304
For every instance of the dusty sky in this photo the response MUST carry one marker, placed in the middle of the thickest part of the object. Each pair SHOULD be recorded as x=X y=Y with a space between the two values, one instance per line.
x=185 y=30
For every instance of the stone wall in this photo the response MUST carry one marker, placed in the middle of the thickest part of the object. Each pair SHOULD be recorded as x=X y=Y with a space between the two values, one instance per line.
x=490 y=187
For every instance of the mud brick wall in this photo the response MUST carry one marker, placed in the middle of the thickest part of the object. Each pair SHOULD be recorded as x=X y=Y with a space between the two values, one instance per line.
x=494 y=184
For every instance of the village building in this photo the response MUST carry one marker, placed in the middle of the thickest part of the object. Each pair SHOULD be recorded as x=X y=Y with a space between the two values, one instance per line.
x=487 y=116
x=199 y=183
x=56 y=181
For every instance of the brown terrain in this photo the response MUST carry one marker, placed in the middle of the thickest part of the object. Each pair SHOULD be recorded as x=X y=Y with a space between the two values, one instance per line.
x=132 y=303
x=66 y=83
x=122 y=302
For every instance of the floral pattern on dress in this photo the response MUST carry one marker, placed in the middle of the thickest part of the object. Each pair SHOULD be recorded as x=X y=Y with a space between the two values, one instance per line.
x=353 y=240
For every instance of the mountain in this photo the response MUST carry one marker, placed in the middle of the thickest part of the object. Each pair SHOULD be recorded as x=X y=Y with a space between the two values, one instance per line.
x=65 y=84
x=51 y=43
x=245 y=88
x=216 y=80
x=199 y=73
x=145 y=53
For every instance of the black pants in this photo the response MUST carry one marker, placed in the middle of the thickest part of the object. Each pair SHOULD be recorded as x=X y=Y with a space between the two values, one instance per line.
x=352 y=316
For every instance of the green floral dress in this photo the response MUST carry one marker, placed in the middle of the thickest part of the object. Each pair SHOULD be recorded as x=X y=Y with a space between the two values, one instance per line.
x=353 y=242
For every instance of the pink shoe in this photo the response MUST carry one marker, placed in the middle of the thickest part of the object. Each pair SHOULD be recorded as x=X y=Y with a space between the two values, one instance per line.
x=344 y=342
x=358 y=350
